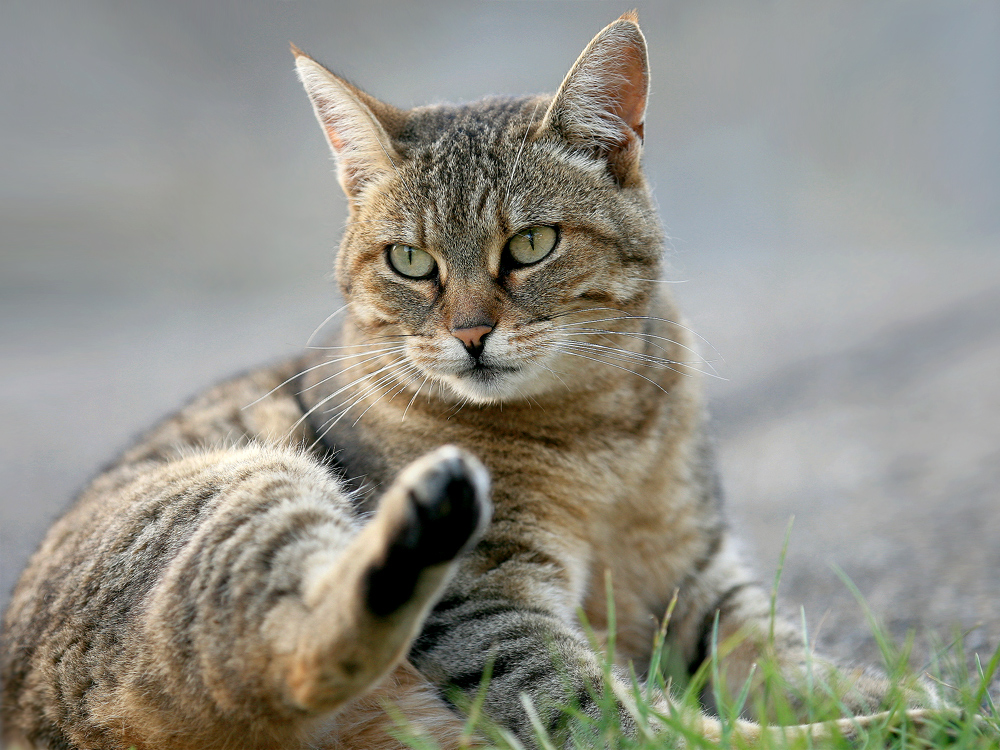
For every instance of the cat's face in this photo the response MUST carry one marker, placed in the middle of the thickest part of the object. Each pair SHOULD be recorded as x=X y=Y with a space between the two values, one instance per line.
x=487 y=243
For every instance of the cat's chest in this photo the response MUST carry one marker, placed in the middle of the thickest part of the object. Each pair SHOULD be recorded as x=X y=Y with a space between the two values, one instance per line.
x=578 y=477
x=595 y=469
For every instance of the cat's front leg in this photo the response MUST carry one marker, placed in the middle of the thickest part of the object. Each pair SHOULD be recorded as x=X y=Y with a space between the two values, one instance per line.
x=510 y=614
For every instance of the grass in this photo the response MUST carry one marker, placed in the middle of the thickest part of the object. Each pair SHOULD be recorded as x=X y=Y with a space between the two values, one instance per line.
x=971 y=723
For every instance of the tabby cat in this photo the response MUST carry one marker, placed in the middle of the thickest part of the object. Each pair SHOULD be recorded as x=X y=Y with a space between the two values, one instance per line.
x=304 y=543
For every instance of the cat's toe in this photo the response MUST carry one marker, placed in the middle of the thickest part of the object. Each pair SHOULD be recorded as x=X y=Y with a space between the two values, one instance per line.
x=450 y=503
x=447 y=509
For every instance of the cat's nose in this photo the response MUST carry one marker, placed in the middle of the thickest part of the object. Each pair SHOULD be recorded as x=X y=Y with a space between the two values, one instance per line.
x=472 y=338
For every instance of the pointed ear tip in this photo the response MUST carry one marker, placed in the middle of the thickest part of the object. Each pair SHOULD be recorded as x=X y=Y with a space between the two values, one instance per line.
x=628 y=25
x=300 y=56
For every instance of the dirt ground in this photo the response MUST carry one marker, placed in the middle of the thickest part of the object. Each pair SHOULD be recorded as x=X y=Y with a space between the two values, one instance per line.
x=881 y=438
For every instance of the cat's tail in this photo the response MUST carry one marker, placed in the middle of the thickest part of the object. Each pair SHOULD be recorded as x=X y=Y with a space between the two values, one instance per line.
x=924 y=722
x=930 y=724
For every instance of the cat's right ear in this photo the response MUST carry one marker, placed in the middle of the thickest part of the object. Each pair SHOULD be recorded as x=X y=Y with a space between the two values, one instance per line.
x=356 y=125
x=601 y=105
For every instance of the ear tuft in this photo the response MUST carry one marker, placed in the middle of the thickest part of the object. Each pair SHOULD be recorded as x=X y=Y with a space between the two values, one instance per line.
x=354 y=124
x=601 y=104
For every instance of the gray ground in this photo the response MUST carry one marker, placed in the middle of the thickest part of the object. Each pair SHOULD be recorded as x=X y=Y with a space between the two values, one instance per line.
x=831 y=177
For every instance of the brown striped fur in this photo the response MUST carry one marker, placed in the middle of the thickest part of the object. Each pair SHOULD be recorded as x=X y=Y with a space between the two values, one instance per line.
x=297 y=546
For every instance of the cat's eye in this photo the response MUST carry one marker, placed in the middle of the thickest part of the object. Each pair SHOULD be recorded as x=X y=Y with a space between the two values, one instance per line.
x=411 y=261
x=532 y=244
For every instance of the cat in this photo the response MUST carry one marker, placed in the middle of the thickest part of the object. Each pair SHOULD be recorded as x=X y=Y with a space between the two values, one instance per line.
x=508 y=413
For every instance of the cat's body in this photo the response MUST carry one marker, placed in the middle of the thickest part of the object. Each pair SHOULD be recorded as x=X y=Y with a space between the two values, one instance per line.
x=223 y=584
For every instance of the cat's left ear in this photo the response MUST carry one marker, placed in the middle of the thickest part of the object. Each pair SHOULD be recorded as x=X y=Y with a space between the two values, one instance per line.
x=357 y=126
x=601 y=104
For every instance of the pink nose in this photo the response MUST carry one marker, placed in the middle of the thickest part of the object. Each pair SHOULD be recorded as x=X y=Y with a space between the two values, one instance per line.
x=472 y=337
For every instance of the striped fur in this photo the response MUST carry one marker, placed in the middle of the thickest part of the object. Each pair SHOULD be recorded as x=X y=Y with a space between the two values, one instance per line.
x=301 y=544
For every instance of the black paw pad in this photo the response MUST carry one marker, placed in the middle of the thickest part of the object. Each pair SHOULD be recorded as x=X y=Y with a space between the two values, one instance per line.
x=447 y=508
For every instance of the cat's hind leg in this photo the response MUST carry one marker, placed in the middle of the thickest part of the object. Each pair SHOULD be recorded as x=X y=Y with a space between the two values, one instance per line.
x=351 y=608
x=388 y=579
x=227 y=598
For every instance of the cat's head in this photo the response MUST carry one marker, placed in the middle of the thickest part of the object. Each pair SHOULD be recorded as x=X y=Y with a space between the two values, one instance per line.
x=485 y=238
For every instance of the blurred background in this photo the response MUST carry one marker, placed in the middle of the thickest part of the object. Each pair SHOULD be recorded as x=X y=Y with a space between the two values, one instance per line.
x=829 y=174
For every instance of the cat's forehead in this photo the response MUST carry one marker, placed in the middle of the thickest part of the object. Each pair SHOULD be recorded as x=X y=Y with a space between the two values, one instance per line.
x=469 y=130
x=458 y=162
x=455 y=149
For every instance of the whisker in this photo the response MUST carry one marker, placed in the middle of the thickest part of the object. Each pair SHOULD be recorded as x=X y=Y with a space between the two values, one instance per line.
x=517 y=157
x=586 y=310
x=354 y=401
x=642 y=359
x=299 y=374
x=356 y=364
x=372 y=352
x=328 y=398
x=414 y=373
x=328 y=424
x=401 y=389
x=354 y=346
x=643 y=337
x=403 y=419
x=628 y=316
x=625 y=352
x=558 y=376
x=330 y=317
x=610 y=364
x=621 y=356
x=455 y=409
x=528 y=398
x=399 y=336
x=357 y=398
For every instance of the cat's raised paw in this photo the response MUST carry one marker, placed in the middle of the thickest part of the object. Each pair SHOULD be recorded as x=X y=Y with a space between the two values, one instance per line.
x=447 y=508
x=450 y=502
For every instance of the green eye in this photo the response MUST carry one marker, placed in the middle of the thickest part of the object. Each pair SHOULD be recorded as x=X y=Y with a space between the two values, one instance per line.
x=532 y=244
x=411 y=261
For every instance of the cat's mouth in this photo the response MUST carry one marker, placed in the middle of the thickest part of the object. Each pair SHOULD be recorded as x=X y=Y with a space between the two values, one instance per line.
x=485 y=382
x=489 y=376
x=483 y=371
